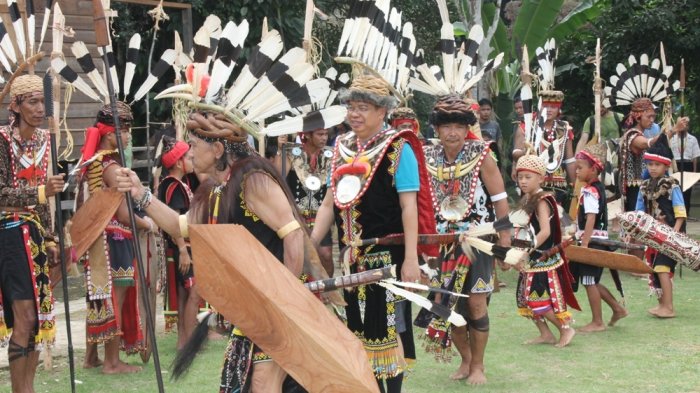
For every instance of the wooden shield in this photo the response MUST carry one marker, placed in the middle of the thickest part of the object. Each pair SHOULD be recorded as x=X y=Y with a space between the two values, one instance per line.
x=611 y=260
x=91 y=219
x=252 y=289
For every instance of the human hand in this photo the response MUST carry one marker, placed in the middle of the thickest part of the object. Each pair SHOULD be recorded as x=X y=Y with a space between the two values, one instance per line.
x=53 y=256
x=128 y=181
x=185 y=261
x=410 y=272
x=54 y=185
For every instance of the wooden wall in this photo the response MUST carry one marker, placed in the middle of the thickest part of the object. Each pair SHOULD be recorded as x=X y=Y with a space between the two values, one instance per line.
x=78 y=14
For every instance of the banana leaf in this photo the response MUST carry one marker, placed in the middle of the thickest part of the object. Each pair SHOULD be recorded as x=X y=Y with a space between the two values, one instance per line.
x=534 y=21
x=585 y=12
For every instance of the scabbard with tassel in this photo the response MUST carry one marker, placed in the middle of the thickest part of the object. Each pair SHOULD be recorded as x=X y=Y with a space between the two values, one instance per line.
x=352 y=280
x=102 y=40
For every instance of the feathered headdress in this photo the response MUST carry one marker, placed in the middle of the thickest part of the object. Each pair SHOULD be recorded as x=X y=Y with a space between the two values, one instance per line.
x=459 y=72
x=545 y=59
x=266 y=85
x=375 y=39
x=639 y=80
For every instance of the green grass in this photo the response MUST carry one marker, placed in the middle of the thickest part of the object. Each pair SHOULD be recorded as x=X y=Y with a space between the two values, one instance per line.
x=641 y=354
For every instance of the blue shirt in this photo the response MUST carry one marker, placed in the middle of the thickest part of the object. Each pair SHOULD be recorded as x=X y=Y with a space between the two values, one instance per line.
x=652 y=131
x=406 y=178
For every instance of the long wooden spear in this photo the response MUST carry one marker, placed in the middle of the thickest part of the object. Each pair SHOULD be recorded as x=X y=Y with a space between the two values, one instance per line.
x=53 y=129
x=102 y=40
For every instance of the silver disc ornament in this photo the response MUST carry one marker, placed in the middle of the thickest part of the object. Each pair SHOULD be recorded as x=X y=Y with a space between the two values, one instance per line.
x=348 y=188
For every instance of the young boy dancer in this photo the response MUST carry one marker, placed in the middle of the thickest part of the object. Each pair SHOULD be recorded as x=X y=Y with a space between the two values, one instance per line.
x=592 y=222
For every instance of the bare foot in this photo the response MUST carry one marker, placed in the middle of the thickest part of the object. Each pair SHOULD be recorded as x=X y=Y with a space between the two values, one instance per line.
x=121 y=368
x=592 y=327
x=653 y=310
x=477 y=377
x=663 y=312
x=92 y=363
x=548 y=339
x=617 y=315
x=461 y=373
x=567 y=335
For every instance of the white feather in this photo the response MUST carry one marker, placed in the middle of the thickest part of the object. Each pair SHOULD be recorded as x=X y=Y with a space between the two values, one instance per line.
x=454 y=318
x=332 y=116
x=134 y=43
x=271 y=46
x=112 y=70
x=167 y=56
x=79 y=50
x=18 y=27
x=58 y=64
x=318 y=89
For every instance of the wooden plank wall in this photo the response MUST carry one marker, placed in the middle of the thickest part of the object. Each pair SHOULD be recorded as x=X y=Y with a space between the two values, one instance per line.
x=78 y=14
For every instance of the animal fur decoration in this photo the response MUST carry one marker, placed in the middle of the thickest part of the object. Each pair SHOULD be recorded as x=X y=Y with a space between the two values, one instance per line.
x=459 y=72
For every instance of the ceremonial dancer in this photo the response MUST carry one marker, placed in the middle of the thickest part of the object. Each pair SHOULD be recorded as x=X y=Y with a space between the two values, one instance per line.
x=181 y=299
x=661 y=197
x=467 y=191
x=627 y=88
x=467 y=188
x=544 y=286
x=405 y=118
x=112 y=304
x=592 y=222
x=306 y=168
x=27 y=242
x=556 y=144
x=377 y=190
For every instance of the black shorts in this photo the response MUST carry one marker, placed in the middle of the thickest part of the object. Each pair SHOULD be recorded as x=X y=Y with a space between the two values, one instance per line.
x=584 y=273
x=185 y=280
x=664 y=264
x=15 y=274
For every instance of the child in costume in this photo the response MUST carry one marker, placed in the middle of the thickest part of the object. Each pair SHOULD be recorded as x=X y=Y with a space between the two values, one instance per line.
x=544 y=286
x=182 y=300
x=592 y=222
x=661 y=197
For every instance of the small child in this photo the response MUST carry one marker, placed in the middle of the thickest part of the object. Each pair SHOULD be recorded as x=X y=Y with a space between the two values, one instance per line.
x=592 y=222
x=660 y=196
x=544 y=285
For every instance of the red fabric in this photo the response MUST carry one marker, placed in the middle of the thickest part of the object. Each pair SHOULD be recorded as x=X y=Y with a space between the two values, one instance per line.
x=93 y=135
x=567 y=277
x=172 y=281
x=426 y=214
x=471 y=136
x=177 y=152
x=413 y=122
x=657 y=158
x=594 y=162
x=132 y=333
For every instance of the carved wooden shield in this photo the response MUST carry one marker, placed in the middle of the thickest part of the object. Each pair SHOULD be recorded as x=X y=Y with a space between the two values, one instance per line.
x=611 y=260
x=252 y=289
x=91 y=219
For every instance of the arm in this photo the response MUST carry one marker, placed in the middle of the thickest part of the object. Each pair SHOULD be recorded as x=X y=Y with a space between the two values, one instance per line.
x=110 y=179
x=543 y=214
x=678 y=208
x=518 y=149
x=267 y=200
x=493 y=181
x=324 y=218
x=278 y=161
x=409 y=218
x=588 y=229
x=166 y=218
x=570 y=167
x=582 y=141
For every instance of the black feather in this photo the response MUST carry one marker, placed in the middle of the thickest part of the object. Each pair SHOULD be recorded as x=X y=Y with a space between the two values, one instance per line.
x=184 y=358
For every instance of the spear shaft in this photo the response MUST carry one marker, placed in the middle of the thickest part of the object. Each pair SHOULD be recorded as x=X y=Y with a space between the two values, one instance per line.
x=102 y=40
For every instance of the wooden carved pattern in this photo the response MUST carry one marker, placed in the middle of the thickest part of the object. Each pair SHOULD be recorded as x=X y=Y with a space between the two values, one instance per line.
x=253 y=290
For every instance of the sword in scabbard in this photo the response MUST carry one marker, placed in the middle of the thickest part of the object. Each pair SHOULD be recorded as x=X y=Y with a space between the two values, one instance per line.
x=373 y=276
x=614 y=244
x=397 y=239
x=351 y=280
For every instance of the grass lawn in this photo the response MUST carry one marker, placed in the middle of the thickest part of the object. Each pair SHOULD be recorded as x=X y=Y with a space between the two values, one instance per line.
x=640 y=354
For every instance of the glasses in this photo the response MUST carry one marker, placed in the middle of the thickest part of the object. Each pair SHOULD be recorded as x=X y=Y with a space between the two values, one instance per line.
x=361 y=109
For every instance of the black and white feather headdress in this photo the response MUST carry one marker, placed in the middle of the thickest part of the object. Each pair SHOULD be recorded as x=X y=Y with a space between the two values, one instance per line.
x=459 y=72
x=268 y=84
x=640 y=79
x=375 y=38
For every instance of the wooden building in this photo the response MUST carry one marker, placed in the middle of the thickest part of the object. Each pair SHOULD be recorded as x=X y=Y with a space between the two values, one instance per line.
x=79 y=17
